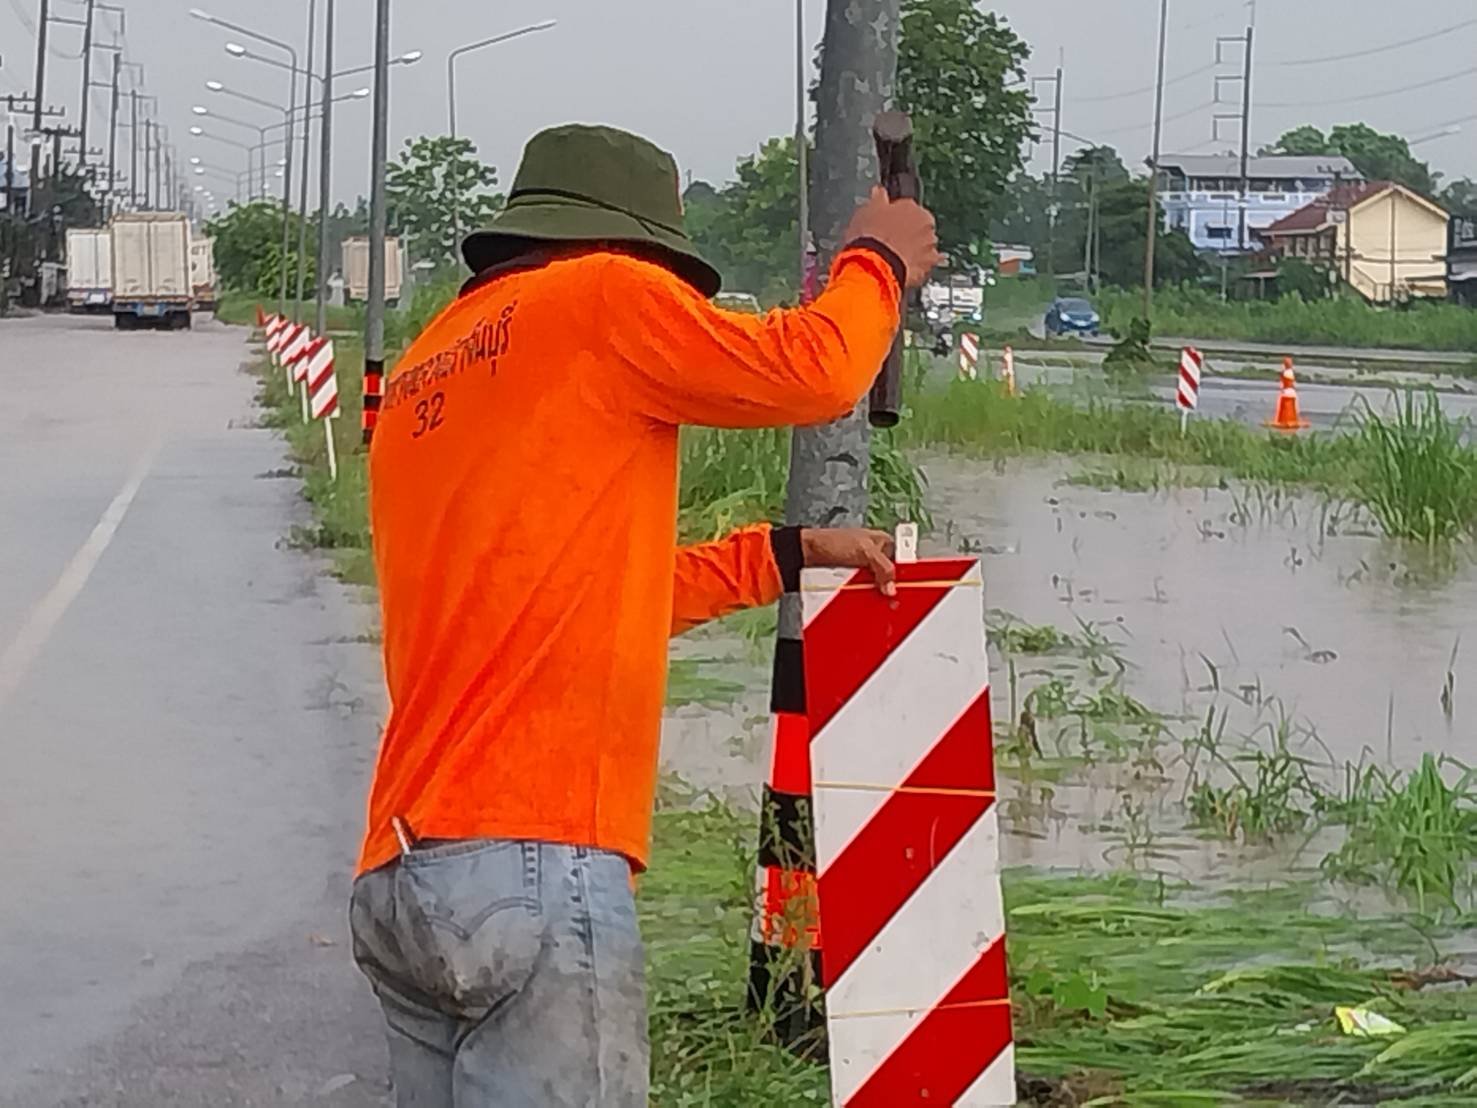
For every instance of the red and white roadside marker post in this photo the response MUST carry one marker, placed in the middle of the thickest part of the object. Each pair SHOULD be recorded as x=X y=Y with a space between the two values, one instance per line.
x=907 y=838
x=321 y=387
x=277 y=331
x=969 y=356
x=294 y=357
x=1187 y=396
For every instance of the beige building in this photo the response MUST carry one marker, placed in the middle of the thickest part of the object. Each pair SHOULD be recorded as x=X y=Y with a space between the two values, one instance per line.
x=1381 y=239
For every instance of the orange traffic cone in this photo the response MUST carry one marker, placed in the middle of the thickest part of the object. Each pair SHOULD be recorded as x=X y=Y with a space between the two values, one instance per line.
x=1287 y=418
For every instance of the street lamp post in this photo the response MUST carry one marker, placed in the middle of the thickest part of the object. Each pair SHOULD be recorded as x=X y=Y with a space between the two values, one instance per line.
x=325 y=168
x=291 y=52
x=238 y=50
x=456 y=215
x=244 y=124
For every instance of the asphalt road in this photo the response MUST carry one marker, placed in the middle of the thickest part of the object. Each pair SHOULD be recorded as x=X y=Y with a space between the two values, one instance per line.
x=187 y=720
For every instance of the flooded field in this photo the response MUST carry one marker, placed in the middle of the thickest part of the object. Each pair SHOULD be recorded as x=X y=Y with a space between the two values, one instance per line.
x=1283 y=621
x=1146 y=645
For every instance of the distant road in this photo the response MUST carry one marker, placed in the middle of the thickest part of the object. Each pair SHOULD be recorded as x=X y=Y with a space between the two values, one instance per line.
x=187 y=722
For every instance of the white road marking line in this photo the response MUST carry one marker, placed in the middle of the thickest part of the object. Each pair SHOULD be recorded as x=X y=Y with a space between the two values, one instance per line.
x=47 y=613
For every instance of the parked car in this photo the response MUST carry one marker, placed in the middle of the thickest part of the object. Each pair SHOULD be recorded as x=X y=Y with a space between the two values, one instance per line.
x=738 y=302
x=1072 y=315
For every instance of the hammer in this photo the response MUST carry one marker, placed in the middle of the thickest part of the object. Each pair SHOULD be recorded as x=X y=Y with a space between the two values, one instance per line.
x=893 y=134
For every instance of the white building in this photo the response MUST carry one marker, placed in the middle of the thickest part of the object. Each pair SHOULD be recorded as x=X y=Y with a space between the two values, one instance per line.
x=1201 y=193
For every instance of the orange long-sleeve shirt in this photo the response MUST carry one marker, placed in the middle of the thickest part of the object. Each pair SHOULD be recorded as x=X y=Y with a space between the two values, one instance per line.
x=523 y=489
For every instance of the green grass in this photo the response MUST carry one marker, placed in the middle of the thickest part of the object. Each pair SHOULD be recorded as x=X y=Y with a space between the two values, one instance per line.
x=1414 y=833
x=1420 y=477
x=975 y=418
x=1415 y=472
x=729 y=478
x=1197 y=313
x=1124 y=987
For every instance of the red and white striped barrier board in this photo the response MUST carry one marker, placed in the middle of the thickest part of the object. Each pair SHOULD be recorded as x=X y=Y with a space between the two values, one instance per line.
x=1192 y=363
x=969 y=357
x=277 y=329
x=321 y=378
x=294 y=353
x=907 y=838
x=1007 y=370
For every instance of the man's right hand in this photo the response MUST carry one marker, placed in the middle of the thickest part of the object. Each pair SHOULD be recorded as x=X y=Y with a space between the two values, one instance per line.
x=905 y=227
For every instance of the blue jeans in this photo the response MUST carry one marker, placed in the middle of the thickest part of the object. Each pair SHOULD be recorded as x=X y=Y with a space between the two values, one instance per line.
x=510 y=974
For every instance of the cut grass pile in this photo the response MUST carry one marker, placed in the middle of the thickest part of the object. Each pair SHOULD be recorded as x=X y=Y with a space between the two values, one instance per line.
x=1124 y=988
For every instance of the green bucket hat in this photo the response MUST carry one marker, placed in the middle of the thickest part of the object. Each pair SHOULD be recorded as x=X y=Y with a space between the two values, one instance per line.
x=580 y=183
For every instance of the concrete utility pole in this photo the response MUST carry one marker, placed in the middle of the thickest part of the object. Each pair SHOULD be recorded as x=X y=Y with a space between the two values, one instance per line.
x=802 y=155
x=302 y=204
x=148 y=161
x=1056 y=167
x=374 y=315
x=1245 y=135
x=40 y=95
x=113 y=136
x=325 y=156
x=86 y=80
x=1152 y=231
x=828 y=464
x=133 y=153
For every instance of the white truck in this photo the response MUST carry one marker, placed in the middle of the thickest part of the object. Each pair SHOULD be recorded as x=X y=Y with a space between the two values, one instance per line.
x=356 y=268
x=89 y=269
x=151 y=270
x=202 y=273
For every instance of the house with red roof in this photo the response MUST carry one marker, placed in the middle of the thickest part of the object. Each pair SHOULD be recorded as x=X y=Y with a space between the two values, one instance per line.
x=1386 y=242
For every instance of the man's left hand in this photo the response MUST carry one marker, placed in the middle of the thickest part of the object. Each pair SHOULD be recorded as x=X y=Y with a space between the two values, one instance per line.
x=851 y=548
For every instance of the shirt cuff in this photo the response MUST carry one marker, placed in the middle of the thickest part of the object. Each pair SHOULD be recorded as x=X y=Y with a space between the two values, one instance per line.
x=886 y=253
x=789 y=557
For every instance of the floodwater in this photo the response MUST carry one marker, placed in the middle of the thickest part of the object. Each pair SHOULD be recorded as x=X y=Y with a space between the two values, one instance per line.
x=1278 y=613
x=1275 y=612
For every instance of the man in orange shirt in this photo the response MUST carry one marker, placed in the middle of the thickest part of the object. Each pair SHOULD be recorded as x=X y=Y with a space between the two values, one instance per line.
x=523 y=487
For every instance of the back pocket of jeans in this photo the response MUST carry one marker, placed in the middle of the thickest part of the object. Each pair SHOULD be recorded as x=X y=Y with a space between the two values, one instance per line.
x=471 y=922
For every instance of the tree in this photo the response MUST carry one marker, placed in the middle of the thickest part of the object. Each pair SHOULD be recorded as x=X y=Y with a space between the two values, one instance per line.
x=1378 y=156
x=438 y=184
x=960 y=73
x=1121 y=210
x=750 y=228
x=248 y=248
x=1460 y=196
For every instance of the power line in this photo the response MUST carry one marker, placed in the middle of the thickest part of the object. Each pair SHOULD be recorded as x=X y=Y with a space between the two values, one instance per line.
x=1167 y=119
x=1370 y=95
x=1216 y=16
x=1146 y=89
x=1372 y=51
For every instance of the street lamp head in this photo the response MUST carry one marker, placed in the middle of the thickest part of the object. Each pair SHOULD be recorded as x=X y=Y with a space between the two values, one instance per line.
x=200 y=109
x=197 y=131
x=214 y=86
x=199 y=172
x=412 y=57
x=194 y=161
x=235 y=49
x=359 y=93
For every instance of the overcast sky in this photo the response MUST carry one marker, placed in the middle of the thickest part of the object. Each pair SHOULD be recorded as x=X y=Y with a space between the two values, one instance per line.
x=711 y=79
